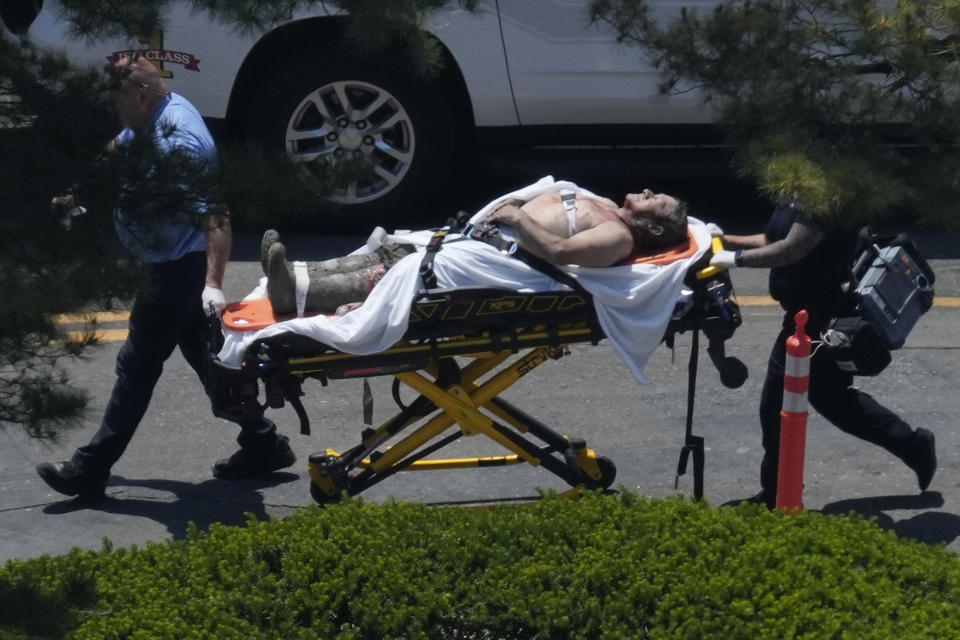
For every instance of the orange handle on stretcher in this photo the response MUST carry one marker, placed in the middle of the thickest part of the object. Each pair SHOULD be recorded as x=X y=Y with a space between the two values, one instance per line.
x=250 y=315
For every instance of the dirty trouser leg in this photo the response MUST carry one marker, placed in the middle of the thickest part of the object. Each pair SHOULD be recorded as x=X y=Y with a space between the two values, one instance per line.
x=332 y=283
x=342 y=264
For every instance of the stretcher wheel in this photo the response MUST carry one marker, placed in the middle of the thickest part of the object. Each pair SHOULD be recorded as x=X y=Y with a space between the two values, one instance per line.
x=733 y=373
x=328 y=480
x=320 y=496
x=608 y=473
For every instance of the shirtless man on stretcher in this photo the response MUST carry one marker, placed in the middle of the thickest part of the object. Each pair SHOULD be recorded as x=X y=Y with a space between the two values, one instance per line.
x=598 y=233
x=562 y=228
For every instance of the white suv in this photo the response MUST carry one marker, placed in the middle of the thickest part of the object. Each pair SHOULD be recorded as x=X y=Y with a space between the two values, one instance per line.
x=530 y=71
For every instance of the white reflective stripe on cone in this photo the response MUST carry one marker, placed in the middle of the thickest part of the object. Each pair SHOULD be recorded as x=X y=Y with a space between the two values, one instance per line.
x=797 y=366
x=794 y=402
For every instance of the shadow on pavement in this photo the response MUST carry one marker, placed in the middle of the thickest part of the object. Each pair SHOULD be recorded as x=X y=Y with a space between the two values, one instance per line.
x=930 y=527
x=212 y=501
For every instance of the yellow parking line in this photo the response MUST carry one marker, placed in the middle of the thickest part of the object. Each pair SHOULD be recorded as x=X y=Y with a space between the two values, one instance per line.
x=118 y=335
x=767 y=301
x=103 y=335
x=99 y=316
x=755 y=301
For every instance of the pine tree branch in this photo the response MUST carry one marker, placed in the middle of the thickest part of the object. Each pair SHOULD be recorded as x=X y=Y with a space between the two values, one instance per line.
x=809 y=89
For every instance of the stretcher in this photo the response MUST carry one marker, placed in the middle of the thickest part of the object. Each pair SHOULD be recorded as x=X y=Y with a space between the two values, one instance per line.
x=463 y=348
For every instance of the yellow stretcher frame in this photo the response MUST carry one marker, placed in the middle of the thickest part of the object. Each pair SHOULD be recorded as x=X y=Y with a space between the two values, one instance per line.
x=474 y=407
x=486 y=327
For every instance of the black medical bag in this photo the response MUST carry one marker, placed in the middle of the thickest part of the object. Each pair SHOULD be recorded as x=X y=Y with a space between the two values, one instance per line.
x=890 y=287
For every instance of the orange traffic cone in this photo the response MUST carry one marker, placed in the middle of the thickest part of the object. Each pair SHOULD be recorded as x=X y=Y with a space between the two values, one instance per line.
x=793 y=418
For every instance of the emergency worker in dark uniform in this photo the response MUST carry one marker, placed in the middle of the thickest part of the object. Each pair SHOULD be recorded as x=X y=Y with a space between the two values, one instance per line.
x=806 y=261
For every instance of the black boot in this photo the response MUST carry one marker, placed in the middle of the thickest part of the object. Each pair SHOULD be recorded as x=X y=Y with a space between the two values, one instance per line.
x=252 y=461
x=72 y=479
x=765 y=498
x=923 y=459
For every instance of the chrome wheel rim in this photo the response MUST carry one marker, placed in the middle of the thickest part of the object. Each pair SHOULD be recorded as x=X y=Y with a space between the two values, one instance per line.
x=350 y=122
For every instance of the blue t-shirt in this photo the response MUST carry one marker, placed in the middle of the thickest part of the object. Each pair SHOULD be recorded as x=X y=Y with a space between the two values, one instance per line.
x=176 y=125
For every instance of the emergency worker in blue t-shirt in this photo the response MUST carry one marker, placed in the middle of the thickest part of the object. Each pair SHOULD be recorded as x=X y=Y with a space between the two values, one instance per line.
x=185 y=254
x=806 y=261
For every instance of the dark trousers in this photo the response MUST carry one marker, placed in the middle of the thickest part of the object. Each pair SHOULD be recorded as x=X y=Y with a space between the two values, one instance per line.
x=166 y=314
x=832 y=396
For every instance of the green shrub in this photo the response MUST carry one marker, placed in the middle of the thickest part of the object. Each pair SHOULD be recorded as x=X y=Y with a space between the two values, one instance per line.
x=601 y=567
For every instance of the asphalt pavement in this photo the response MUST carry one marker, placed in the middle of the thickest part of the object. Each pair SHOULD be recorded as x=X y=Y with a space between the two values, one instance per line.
x=163 y=482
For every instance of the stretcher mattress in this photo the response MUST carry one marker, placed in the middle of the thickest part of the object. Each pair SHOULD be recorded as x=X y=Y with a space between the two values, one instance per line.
x=633 y=303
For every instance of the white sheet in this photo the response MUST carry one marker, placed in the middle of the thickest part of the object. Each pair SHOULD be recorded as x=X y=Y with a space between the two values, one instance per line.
x=633 y=302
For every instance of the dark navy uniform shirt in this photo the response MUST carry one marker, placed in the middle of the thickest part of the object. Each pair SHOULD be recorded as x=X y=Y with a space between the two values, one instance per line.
x=812 y=283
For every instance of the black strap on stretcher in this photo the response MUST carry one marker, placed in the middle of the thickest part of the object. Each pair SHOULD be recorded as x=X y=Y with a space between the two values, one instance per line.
x=552 y=270
x=490 y=234
x=426 y=265
x=288 y=389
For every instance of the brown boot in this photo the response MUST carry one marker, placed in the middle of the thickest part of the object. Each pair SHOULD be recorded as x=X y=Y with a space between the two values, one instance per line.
x=281 y=283
x=270 y=236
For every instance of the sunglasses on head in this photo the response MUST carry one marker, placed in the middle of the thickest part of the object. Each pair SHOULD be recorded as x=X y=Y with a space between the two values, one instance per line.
x=117 y=75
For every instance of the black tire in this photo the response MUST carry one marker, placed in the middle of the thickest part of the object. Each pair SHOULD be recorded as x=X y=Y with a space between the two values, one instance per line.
x=608 y=473
x=400 y=124
x=328 y=468
x=320 y=496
